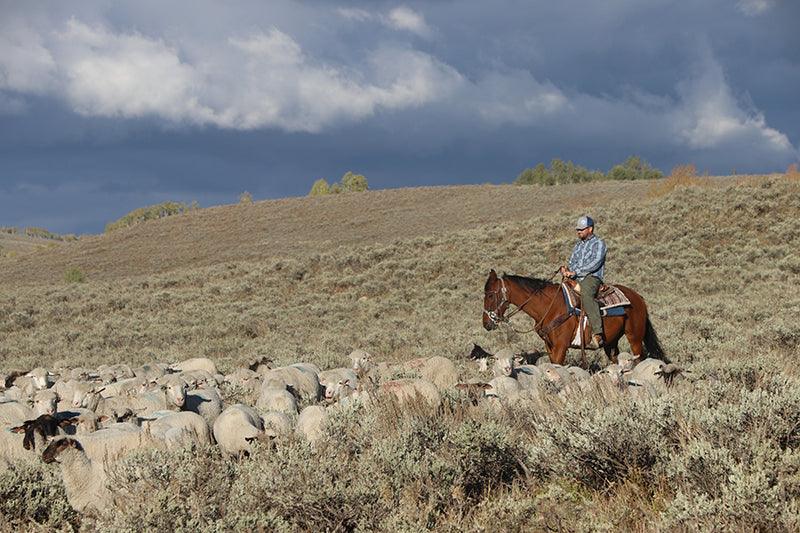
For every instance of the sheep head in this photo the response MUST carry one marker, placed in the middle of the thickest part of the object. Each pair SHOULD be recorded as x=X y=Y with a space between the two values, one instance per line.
x=55 y=448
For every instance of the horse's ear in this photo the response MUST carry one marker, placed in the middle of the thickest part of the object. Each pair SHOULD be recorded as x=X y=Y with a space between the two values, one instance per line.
x=492 y=274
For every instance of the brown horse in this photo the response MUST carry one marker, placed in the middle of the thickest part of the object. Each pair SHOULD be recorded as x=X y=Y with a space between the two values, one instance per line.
x=544 y=302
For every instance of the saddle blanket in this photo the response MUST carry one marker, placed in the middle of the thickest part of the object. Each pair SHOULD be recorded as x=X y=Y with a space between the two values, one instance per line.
x=611 y=301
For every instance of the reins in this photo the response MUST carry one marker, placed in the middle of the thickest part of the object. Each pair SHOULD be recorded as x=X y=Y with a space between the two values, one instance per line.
x=536 y=327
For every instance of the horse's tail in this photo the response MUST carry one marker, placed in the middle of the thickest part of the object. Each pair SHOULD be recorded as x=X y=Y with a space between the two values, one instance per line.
x=651 y=343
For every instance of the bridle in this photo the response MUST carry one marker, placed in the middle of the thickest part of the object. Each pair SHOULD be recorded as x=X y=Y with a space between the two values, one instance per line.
x=497 y=316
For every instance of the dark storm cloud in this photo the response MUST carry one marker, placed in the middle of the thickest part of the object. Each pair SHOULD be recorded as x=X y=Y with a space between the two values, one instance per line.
x=105 y=107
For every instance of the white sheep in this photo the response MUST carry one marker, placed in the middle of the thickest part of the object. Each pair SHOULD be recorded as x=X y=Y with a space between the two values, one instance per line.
x=196 y=363
x=274 y=396
x=360 y=361
x=303 y=381
x=336 y=381
x=440 y=371
x=503 y=387
x=171 y=395
x=245 y=378
x=84 y=479
x=311 y=423
x=14 y=413
x=180 y=429
x=529 y=376
x=37 y=379
x=12 y=449
x=150 y=372
x=124 y=387
x=409 y=390
x=114 y=373
x=236 y=427
x=45 y=402
x=204 y=402
x=558 y=376
x=646 y=372
x=276 y=424
x=504 y=363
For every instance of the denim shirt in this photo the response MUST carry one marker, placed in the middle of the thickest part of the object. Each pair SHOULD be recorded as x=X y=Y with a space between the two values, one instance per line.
x=588 y=257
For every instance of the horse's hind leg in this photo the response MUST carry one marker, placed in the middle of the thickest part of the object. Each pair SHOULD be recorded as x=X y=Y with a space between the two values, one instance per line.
x=635 y=336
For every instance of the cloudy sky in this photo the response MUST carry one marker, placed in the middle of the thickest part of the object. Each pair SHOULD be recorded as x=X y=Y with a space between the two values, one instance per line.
x=106 y=106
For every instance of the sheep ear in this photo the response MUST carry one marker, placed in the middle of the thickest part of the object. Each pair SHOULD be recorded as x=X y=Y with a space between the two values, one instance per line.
x=68 y=422
x=18 y=429
x=102 y=418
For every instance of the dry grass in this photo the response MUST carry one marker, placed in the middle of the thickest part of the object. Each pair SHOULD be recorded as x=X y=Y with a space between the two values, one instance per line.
x=400 y=274
x=681 y=176
x=792 y=173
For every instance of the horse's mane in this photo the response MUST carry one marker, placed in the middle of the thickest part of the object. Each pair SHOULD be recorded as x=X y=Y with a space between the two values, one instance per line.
x=532 y=284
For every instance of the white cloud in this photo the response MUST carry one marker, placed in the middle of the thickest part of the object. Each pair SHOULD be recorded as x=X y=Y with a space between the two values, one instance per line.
x=514 y=97
x=263 y=80
x=405 y=18
x=359 y=15
x=26 y=65
x=709 y=115
x=755 y=7
x=401 y=18
x=281 y=86
x=127 y=75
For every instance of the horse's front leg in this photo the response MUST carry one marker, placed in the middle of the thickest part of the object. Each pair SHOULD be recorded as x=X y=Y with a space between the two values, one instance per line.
x=558 y=351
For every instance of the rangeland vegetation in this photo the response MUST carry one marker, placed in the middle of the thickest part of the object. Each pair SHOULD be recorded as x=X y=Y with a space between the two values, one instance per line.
x=400 y=274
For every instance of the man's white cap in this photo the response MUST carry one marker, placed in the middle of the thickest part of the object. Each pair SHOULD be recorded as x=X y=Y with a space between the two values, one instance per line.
x=584 y=222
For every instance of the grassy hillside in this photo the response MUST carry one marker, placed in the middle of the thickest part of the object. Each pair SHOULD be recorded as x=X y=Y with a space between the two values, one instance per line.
x=711 y=262
x=400 y=274
x=301 y=226
x=15 y=244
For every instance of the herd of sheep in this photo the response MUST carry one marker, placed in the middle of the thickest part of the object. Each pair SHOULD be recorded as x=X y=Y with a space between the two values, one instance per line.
x=86 y=419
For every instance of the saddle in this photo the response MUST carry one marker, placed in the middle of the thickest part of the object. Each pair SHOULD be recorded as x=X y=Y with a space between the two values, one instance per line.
x=608 y=296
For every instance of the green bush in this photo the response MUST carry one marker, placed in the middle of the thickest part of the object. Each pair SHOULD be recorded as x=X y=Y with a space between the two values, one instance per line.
x=354 y=182
x=350 y=182
x=634 y=168
x=245 y=198
x=559 y=172
x=320 y=187
x=74 y=275
x=143 y=214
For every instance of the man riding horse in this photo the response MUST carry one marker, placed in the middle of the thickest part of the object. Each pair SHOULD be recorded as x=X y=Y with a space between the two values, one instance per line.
x=587 y=266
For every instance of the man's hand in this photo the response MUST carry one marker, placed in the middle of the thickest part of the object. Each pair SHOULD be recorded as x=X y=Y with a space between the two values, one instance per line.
x=566 y=272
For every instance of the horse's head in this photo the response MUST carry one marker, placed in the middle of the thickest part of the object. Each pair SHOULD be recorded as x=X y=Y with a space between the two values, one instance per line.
x=495 y=301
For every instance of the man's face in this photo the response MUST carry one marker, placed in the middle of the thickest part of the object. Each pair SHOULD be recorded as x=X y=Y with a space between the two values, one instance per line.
x=584 y=233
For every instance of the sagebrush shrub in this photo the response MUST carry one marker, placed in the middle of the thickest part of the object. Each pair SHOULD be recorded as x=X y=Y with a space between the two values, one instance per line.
x=33 y=494
x=74 y=275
